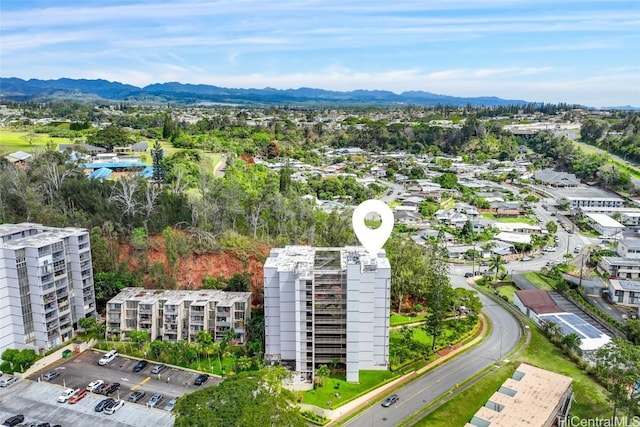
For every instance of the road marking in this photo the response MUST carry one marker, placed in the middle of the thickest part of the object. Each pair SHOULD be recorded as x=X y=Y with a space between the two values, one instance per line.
x=140 y=384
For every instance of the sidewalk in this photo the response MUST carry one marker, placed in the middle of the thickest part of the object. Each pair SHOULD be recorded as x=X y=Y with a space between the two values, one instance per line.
x=373 y=396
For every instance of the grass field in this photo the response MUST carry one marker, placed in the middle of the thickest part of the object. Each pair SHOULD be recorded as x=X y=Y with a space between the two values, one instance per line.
x=403 y=319
x=538 y=281
x=326 y=396
x=507 y=291
x=11 y=141
x=590 y=400
x=523 y=219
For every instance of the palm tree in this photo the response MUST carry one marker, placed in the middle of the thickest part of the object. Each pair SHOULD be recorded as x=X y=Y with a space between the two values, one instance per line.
x=496 y=263
x=572 y=342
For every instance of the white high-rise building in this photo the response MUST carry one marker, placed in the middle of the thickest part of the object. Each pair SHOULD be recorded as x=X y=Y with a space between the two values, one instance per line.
x=324 y=305
x=46 y=285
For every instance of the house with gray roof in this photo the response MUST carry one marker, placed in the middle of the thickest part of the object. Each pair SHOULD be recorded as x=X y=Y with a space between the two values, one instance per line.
x=556 y=178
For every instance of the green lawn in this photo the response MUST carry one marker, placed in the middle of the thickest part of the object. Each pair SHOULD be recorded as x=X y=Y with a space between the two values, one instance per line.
x=538 y=281
x=11 y=141
x=459 y=411
x=524 y=219
x=507 y=291
x=590 y=400
x=325 y=394
x=403 y=319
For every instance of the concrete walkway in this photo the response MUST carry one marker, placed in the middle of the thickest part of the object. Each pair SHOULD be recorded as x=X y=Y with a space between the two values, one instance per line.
x=374 y=396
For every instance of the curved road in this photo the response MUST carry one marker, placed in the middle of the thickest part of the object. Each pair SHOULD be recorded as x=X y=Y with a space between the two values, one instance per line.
x=505 y=334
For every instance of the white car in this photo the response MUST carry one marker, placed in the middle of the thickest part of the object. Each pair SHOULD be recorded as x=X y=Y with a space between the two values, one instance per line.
x=549 y=249
x=108 y=357
x=94 y=384
x=7 y=381
x=67 y=394
x=113 y=407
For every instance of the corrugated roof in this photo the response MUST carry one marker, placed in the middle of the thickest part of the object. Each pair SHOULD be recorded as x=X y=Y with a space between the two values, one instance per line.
x=538 y=301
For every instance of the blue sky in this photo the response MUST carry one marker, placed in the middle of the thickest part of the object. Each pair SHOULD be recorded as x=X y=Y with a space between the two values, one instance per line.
x=581 y=51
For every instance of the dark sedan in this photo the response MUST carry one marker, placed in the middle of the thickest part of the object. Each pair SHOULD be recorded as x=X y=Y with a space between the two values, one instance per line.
x=12 y=421
x=102 y=404
x=201 y=379
x=111 y=388
x=140 y=365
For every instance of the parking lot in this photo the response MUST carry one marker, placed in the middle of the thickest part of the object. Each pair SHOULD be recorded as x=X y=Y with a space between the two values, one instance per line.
x=36 y=398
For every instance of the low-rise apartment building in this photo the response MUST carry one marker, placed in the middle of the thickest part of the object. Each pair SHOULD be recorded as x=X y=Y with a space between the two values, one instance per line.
x=629 y=248
x=177 y=315
x=46 y=285
x=625 y=292
x=531 y=397
x=621 y=268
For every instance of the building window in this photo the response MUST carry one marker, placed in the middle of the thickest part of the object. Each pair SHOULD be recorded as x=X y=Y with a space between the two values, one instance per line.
x=633 y=297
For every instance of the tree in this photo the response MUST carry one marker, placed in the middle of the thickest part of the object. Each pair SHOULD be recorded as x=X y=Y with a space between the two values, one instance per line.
x=618 y=366
x=30 y=137
x=447 y=180
x=239 y=282
x=108 y=285
x=109 y=137
x=591 y=130
x=322 y=372
x=24 y=358
x=248 y=399
x=139 y=337
x=496 y=263
x=552 y=227
x=9 y=355
x=159 y=170
x=467 y=229
x=572 y=342
x=439 y=293
x=409 y=269
x=632 y=329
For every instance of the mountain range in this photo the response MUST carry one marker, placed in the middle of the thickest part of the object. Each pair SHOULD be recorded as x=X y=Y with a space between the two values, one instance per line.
x=94 y=90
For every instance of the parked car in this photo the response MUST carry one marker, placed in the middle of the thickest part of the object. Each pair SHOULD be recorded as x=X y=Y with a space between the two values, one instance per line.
x=140 y=365
x=48 y=376
x=7 y=381
x=66 y=395
x=526 y=258
x=78 y=396
x=154 y=400
x=201 y=379
x=111 y=408
x=390 y=400
x=110 y=389
x=108 y=357
x=484 y=263
x=100 y=406
x=135 y=396
x=169 y=406
x=93 y=385
x=15 y=420
x=99 y=389
x=158 y=368
x=468 y=274
x=43 y=425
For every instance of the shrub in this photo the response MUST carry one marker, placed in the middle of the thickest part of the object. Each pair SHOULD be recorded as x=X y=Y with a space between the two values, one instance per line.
x=314 y=418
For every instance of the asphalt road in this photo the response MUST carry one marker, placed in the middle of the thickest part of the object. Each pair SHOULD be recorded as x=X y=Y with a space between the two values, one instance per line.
x=504 y=336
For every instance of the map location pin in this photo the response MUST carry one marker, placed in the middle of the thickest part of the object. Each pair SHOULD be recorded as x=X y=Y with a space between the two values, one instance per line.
x=372 y=239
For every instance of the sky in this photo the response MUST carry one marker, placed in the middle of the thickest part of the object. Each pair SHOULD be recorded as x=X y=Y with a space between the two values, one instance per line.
x=584 y=51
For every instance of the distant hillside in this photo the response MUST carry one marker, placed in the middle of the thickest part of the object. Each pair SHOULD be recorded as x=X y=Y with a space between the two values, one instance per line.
x=19 y=89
